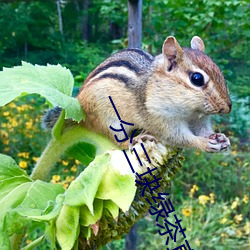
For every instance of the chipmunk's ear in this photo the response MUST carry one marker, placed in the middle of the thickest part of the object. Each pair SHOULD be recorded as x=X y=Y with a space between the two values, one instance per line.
x=197 y=43
x=171 y=49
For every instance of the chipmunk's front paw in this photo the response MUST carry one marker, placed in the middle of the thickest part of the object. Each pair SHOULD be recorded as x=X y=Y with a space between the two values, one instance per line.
x=140 y=139
x=217 y=142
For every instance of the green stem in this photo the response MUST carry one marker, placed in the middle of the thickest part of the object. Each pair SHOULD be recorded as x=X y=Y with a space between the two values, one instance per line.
x=57 y=147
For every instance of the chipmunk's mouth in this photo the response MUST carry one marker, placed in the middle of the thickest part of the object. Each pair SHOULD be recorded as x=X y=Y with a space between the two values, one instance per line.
x=224 y=108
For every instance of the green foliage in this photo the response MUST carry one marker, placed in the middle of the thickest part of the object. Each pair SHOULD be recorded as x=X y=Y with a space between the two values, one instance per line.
x=19 y=198
x=30 y=32
x=94 y=200
x=223 y=25
x=52 y=82
x=209 y=224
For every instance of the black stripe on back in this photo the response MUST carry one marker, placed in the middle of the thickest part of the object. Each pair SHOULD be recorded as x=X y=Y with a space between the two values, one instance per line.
x=142 y=53
x=118 y=63
x=118 y=77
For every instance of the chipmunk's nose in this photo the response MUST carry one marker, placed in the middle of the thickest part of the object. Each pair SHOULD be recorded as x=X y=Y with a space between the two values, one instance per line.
x=230 y=106
x=227 y=108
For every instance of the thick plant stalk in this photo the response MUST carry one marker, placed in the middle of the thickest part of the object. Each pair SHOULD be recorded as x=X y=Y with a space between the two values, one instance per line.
x=167 y=160
x=57 y=146
x=168 y=163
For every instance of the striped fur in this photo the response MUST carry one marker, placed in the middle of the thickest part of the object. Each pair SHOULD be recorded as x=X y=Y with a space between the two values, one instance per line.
x=157 y=95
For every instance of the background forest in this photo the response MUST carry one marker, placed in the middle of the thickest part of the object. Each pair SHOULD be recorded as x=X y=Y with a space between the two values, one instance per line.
x=211 y=194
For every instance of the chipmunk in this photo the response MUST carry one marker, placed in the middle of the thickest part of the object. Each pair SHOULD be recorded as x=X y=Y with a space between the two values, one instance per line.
x=170 y=97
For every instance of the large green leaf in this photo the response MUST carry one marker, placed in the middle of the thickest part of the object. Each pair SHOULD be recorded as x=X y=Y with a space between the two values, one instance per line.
x=6 y=186
x=39 y=194
x=118 y=188
x=22 y=200
x=67 y=226
x=111 y=207
x=86 y=218
x=83 y=152
x=9 y=168
x=104 y=181
x=83 y=189
x=53 y=82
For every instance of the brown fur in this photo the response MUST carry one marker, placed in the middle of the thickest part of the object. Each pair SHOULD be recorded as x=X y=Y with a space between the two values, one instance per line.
x=156 y=95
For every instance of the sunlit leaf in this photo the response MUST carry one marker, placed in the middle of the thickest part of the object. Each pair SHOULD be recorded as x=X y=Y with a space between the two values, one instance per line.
x=53 y=82
x=67 y=225
x=83 y=189
x=86 y=218
x=83 y=152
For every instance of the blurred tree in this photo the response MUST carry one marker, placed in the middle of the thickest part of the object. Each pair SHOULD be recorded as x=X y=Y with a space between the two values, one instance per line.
x=134 y=23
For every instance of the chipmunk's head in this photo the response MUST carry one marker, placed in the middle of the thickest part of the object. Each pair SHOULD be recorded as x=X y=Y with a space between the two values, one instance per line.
x=197 y=77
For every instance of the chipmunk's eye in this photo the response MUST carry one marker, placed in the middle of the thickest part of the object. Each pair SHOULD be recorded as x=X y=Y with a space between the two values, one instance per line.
x=197 y=79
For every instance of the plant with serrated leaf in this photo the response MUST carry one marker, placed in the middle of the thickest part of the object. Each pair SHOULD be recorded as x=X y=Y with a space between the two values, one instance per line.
x=102 y=203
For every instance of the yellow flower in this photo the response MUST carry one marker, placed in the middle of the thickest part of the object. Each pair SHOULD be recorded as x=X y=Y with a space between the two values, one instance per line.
x=6 y=141
x=4 y=134
x=238 y=233
x=23 y=164
x=70 y=178
x=23 y=107
x=65 y=185
x=35 y=159
x=6 y=113
x=187 y=211
x=245 y=199
x=223 y=220
x=12 y=105
x=234 y=152
x=203 y=199
x=192 y=190
x=224 y=164
x=238 y=218
x=55 y=178
x=211 y=195
x=77 y=162
x=197 y=242
x=73 y=168
x=14 y=123
x=247 y=228
x=24 y=155
x=235 y=203
x=65 y=163
x=29 y=124
x=6 y=149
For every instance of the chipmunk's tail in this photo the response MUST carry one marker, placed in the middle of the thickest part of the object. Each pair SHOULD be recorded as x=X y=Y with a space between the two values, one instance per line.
x=50 y=117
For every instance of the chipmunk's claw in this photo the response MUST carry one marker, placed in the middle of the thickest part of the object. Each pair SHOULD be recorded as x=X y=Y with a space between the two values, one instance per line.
x=218 y=142
x=140 y=139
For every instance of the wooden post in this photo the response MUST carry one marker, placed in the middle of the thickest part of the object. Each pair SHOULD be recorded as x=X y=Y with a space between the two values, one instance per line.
x=131 y=238
x=134 y=41
x=134 y=23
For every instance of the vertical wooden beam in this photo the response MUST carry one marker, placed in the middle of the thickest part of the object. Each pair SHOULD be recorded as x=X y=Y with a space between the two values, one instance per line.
x=134 y=23
x=131 y=238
